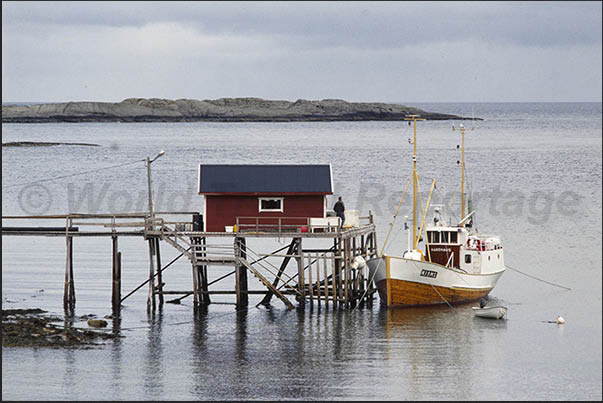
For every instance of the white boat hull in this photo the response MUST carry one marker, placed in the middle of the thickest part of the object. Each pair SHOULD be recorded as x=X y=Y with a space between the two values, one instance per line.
x=406 y=282
x=492 y=312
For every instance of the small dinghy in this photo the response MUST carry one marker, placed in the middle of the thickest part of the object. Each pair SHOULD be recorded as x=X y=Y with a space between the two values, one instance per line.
x=491 y=312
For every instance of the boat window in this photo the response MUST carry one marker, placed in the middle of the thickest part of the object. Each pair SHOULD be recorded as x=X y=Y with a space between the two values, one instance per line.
x=444 y=237
x=467 y=258
x=433 y=236
x=453 y=237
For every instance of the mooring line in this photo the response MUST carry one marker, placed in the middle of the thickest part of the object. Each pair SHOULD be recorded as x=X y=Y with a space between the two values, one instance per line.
x=436 y=290
x=536 y=278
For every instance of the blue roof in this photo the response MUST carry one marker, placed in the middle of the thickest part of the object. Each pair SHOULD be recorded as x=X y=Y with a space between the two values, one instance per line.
x=265 y=179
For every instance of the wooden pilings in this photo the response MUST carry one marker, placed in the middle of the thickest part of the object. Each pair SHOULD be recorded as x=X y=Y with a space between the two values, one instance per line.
x=151 y=304
x=69 y=288
x=329 y=276
x=205 y=300
x=301 y=288
x=159 y=289
x=333 y=276
x=200 y=282
x=116 y=276
x=241 y=286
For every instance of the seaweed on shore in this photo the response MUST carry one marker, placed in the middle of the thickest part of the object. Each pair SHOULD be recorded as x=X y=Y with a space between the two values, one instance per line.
x=32 y=328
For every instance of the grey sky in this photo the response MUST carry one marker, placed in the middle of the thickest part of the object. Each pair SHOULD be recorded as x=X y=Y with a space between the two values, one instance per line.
x=374 y=51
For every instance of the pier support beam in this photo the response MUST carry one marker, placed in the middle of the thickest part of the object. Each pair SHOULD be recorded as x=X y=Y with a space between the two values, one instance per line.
x=151 y=305
x=198 y=254
x=205 y=300
x=300 y=272
x=346 y=269
x=200 y=282
x=284 y=263
x=116 y=275
x=159 y=278
x=241 y=286
x=69 y=289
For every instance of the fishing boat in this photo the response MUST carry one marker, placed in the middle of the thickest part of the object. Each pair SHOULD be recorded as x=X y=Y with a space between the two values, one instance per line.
x=458 y=264
x=490 y=312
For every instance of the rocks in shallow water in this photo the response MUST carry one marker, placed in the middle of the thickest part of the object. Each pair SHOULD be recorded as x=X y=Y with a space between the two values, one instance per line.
x=97 y=323
x=33 y=328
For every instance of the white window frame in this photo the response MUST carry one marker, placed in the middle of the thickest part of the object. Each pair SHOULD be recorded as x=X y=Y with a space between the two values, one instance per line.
x=281 y=210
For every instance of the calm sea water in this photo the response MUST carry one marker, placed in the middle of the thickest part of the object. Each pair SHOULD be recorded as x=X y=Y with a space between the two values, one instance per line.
x=534 y=175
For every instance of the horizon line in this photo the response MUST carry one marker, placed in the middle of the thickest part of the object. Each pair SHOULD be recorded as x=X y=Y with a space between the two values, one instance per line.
x=7 y=103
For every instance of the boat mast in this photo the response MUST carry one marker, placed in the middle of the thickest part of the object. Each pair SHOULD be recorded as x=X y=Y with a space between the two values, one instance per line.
x=463 y=172
x=414 y=180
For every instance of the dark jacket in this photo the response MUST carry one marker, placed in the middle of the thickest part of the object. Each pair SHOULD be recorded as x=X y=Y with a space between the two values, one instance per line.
x=339 y=208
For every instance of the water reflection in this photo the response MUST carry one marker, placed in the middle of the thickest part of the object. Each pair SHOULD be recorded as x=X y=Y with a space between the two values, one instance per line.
x=70 y=377
x=116 y=359
x=241 y=337
x=439 y=344
x=153 y=379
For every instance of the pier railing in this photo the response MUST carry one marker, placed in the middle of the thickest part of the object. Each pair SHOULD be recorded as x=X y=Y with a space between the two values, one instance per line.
x=293 y=224
x=272 y=224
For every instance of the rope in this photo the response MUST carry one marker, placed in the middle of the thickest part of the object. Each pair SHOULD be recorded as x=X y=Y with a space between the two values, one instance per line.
x=436 y=290
x=75 y=174
x=536 y=278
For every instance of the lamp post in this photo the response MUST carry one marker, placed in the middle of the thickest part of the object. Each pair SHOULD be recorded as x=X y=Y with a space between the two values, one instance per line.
x=149 y=161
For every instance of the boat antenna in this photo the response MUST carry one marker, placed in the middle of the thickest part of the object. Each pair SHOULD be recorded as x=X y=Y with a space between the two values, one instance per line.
x=414 y=118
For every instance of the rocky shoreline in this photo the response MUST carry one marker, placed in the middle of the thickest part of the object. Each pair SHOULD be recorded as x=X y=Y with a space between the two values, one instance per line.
x=219 y=110
x=33 y=328
x=44 y=144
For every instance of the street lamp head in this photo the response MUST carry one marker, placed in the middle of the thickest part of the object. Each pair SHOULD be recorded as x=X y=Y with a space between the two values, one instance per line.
x=158 y=155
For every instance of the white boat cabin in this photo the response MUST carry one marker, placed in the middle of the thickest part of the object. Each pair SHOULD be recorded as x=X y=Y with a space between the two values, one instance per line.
x=462 y=247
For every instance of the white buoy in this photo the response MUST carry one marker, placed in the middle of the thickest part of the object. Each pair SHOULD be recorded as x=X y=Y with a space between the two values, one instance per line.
x=560 y=320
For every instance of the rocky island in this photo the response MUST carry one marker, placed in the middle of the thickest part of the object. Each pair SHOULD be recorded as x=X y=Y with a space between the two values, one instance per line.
x=218 y=110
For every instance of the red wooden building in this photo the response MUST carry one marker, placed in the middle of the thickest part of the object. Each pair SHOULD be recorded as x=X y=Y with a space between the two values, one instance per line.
x=263 y=197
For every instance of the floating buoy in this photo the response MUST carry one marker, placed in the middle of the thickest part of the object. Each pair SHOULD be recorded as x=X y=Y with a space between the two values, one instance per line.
x=560 y=320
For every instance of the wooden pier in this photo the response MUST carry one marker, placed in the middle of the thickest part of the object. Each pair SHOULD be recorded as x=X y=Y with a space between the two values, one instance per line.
x=333 y=274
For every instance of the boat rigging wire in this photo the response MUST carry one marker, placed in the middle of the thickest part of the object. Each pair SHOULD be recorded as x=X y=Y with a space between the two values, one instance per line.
x=536 y=278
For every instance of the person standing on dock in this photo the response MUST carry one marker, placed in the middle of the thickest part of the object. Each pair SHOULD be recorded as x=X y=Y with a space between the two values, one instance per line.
x=339 y=209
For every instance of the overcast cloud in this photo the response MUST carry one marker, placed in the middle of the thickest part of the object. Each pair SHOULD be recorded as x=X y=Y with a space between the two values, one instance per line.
x=376 y=51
